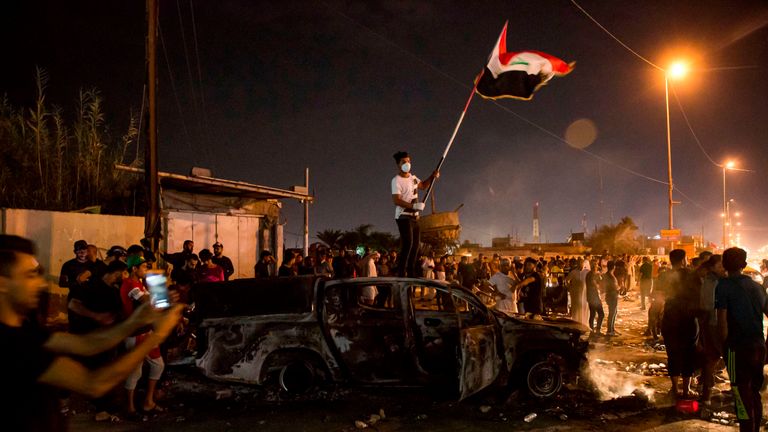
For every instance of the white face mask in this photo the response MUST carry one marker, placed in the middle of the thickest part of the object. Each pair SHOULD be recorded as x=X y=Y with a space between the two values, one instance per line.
x=406 y=167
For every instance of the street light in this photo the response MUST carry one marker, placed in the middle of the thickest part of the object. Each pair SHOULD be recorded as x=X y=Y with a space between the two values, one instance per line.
x=727 y=225
x=676 y=70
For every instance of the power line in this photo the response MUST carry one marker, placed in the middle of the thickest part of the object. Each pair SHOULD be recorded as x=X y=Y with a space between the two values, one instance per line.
x=594 y=155
x=186 y=58
x=173 y=88
x=197 y=58
x=690 y=128
x=614 y=37
x=535 y=125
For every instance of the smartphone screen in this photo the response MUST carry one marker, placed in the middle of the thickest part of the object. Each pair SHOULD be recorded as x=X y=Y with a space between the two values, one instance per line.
x=158 y=290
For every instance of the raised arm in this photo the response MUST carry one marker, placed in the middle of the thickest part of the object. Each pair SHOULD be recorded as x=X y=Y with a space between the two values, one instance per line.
x=101 y=340
x=424 y=184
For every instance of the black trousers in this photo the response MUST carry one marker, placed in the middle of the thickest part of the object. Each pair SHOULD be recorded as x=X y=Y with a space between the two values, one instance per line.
x=596 y=310
x=745 y=369
x=410 y=238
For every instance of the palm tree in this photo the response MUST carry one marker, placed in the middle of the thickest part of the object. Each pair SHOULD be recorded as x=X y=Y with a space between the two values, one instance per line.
x=363 y=233
x=330 y=237
x=383 y=240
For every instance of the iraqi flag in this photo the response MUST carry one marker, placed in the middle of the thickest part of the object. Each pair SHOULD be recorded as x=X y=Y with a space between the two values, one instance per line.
x=517 y=74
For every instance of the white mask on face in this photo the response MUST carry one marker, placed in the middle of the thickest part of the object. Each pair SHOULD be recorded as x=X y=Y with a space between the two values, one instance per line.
x=406 y=167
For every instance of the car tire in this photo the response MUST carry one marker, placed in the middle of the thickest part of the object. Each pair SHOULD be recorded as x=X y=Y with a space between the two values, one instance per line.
x=300 y=375
x=543 y=377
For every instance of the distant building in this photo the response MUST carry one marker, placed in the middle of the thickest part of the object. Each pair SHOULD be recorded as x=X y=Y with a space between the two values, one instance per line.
x=505 y=242
x=577 y=239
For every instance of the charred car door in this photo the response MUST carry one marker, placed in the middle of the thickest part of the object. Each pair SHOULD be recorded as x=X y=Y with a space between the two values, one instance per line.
x=456 y=338
x=366 y=330
x=478 y=332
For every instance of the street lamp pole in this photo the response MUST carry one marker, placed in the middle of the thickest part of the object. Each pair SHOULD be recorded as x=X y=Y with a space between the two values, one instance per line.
x=725 y=212
x=669 y=150
x=728 y=222
x=676 y=70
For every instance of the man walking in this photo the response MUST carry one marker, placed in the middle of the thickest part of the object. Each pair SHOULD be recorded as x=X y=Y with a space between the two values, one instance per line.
x=407 y=207
x=741 y=304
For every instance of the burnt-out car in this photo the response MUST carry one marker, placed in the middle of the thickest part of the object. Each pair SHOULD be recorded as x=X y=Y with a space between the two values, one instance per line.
x=302 y=331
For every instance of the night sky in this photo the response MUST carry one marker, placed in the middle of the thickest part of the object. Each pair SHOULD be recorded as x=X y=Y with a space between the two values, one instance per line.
x=340 y=86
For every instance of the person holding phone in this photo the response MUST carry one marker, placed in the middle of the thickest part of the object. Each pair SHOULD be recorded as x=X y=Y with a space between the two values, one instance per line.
x=405 y=196
x=38 y=363
x=133 y=294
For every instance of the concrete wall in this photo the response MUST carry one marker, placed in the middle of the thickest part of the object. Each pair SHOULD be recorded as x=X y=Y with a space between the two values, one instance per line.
x=243 y=236
x=56 y=232
x=239 y=235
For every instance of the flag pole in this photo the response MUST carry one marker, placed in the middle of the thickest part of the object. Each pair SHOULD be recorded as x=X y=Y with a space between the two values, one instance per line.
x=453 y=137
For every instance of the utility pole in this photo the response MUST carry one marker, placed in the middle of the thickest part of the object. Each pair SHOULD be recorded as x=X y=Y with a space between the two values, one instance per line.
x=306 y=213
x=152 y=218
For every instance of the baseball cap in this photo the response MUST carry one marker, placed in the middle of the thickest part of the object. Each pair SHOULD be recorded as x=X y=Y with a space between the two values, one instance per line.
x=218 y=244
x=80 y=245
x=117 y=251
x=134 y=260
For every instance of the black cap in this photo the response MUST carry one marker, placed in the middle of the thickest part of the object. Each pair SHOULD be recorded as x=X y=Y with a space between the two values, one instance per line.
x=218 y=244
x=117 y=251
x=81 y=245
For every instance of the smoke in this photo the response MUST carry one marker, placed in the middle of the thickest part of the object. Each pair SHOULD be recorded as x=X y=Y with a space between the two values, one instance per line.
x=612 y=379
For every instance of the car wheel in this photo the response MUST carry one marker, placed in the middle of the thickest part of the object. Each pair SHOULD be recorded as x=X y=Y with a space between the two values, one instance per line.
x=299 y=376
x=544 y=378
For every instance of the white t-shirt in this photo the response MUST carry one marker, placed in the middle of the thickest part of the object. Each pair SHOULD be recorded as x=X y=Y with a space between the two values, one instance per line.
x=407 y=189
x=504 y=284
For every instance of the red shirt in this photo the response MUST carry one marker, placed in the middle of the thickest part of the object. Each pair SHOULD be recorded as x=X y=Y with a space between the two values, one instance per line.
x=131 y=291
x=210 y=274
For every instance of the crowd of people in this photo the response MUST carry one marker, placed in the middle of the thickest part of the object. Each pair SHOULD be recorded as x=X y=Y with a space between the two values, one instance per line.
x=42 y=365
x=706 y=312
x=105 y=292
x=709 y=314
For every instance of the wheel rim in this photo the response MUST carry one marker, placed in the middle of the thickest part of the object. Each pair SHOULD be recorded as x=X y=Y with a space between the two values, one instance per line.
x=297 y=377
x=544 y=379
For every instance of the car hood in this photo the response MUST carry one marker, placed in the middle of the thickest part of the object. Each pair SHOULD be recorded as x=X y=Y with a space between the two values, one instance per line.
x=564 y=324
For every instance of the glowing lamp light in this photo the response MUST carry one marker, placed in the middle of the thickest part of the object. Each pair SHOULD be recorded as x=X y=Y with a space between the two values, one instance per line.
x=730 y=164
x=677 y=70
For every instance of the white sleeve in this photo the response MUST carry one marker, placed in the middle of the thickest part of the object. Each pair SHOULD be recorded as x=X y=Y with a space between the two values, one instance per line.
x=136 y=294
x=396 y=187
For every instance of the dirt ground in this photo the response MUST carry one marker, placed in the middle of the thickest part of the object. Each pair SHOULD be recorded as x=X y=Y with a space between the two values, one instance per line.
x=628 y=372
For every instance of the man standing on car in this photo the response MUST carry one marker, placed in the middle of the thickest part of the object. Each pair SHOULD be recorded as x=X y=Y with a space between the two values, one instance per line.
x=407 y=207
